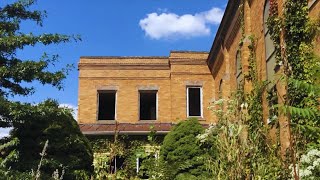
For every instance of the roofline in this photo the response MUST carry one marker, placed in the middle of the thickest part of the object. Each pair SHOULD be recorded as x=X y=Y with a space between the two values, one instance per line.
x=191 y=52
x=128 y=123
x=142 y=57
x=124 y=57
x=123 y=132
x=231 y=9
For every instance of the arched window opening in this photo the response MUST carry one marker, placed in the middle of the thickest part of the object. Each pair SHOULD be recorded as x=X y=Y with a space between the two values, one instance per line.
x=220 y=88
x=269 y=46
x=238 y=70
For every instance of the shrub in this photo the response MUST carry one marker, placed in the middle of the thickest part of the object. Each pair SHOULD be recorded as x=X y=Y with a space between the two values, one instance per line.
x=181 y=154
x=310 y=165
x=67 y=149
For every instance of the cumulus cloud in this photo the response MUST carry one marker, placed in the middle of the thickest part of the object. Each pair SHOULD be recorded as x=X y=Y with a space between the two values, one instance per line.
x=73 y=108
x=167 y=25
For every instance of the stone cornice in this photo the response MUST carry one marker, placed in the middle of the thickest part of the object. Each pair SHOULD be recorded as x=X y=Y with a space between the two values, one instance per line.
x=228 y=17
x=123 y=57
x=233 y=30
x=190 y=73
x=217 y=64
x=124 y=66
x=128 y=78
x=188 y=61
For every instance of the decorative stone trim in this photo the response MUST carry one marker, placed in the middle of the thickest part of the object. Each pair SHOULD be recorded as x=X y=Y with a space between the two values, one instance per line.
x=107 y=88
x=235 y=26
x=150 y=87
x=194 y=83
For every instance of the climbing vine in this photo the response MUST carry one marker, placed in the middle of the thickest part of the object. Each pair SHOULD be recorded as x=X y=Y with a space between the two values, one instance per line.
x=300 y=67
x=293 y=33
x=274 y=28
x=126 y=149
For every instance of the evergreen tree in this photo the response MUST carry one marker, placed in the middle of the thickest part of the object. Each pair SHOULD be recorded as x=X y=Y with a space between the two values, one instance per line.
x=183 y=156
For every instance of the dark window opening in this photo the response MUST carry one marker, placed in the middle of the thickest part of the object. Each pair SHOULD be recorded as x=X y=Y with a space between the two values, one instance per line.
x=107 y=105
x=148 y=105
x=239 y=70
x=116 y=164
x=142 y=168
x=272 y=66
x=220 y=89
x=194 y=104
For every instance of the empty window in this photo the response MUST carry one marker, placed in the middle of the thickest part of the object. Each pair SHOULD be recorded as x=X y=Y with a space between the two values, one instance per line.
x=116 y=164
x=141 y=168
x=238 y=71
x=106 y=105
x=220 y=89
x=269 y=46
x=194 y=101
x=148 y=105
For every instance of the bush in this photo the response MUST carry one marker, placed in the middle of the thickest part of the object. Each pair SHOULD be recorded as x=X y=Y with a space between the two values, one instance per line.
x=182 y=155
x=67 y=149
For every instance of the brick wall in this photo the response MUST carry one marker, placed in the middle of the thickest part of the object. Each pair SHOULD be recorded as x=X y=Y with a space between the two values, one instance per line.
x=222 y=56
x=169 y=75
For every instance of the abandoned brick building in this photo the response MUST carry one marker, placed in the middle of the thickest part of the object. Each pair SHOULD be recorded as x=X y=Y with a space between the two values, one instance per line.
x=136 y=92
x=140 y=91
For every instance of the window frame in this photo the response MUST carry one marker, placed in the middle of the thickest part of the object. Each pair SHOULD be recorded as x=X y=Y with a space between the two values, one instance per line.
x=238 y=72
x=115 y=104
x=220 y=93
x=269 y=58
x=139 y=103
x=201 y=101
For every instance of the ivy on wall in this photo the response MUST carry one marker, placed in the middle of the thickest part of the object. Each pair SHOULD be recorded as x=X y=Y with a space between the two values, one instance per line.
x=293 y=34
x=300 y=67
x=127 y=148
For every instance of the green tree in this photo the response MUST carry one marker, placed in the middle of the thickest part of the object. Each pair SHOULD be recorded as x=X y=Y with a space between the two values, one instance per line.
x=34 y=124
x=67 y=149
x=13 y=70
x=182 y=155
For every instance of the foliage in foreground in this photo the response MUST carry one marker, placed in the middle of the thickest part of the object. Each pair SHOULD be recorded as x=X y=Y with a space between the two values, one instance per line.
x=181 y=153
x=14 y=70
x=310 y=165
x=237 y=151
x=67 y=149
x=127 y=148
x=34 y=124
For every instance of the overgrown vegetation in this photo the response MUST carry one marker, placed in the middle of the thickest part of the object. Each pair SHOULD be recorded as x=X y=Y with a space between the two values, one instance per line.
x=237 y=154
x=127 y=150
x=67 y=150
x=237 y=147
x=240 y=137
x=300 y=68
x=294 y=33
x=182 y=155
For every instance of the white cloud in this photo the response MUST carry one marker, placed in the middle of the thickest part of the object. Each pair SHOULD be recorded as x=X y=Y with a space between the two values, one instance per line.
x=73 y=107
x=213 y=16
x=168 y=25
x=4 y=132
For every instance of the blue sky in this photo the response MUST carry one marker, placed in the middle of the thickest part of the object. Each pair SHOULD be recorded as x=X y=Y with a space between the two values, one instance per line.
x=119 y=28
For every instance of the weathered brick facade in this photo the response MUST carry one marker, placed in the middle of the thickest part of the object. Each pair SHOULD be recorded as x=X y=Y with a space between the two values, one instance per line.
x=170 y=76
x=222 y=57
